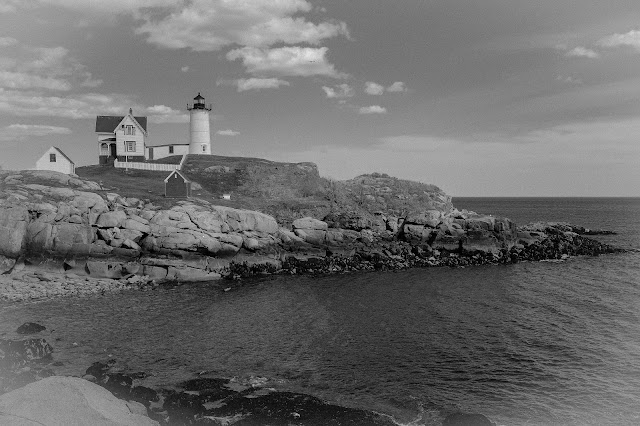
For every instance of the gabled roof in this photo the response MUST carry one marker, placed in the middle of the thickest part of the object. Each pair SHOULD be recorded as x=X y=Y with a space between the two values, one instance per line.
x=63 y=154
x=176 y=172
x=108 y=123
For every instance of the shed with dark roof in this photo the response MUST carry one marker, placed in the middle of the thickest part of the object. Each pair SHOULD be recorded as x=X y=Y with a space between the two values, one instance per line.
x=176 y=185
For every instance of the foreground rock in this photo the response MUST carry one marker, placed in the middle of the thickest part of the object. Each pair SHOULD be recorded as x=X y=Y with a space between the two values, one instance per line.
x=219 y=401
x=109 y=395
x=68 y=401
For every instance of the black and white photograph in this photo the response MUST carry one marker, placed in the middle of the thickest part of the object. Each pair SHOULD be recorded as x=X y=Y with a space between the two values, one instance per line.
x=320 y=212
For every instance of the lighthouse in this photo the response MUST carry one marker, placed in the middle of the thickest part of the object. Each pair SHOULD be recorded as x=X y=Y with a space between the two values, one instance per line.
x=200 y=137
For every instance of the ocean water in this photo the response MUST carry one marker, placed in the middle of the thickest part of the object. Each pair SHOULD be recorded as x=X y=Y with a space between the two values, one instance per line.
x=527 y=344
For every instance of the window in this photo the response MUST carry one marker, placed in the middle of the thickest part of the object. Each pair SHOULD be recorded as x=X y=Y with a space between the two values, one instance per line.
x=104 y=149
x=204 y=148
x=52 y=158
x=130 y=146
x=170 y=150
x=129 y=130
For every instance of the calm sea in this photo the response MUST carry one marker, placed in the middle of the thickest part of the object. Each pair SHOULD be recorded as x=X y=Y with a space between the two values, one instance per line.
x=526 y=344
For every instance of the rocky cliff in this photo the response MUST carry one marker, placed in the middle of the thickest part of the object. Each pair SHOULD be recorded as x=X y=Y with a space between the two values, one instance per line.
x=60 y=223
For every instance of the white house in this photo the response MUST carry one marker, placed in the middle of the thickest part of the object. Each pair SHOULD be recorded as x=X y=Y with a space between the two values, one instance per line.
x=161 y=151
x=121 y=137
x=56 y=160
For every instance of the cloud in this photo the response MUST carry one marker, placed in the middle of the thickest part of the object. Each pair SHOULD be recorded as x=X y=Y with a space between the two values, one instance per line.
x=82 y=106
x=630 y=39
x=50 y=68
x=341 y=91
x=259 y=83
x=184 y=69
x=21 y=131
x=8 y=6
x=373 y=109
x=569 y=79
x=209 y=25
x=112 y=7
x=17 y=80
x=582 y=52
x=7 y=41
x=372 y=88
x=227 y=132
x=165 y=114
x=397 y=86
x=285 y=61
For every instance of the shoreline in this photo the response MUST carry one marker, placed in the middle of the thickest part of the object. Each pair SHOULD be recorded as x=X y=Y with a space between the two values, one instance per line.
x=37 y=283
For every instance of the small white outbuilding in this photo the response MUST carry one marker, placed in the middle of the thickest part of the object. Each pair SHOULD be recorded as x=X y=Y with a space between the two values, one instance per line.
x=56 y=160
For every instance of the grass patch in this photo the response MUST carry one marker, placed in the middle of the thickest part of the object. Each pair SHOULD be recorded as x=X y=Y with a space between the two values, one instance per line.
x=286 y=191
x=142 y=184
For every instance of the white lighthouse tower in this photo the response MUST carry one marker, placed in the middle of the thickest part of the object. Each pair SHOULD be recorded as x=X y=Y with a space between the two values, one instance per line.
x=200 y=142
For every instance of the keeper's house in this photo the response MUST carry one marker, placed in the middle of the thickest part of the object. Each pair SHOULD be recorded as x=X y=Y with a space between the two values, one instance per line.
x=124 y=138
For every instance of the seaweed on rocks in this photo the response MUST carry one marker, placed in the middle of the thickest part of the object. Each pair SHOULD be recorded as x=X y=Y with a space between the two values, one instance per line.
x=212 y=400
x=23 y=362
x=30 y=328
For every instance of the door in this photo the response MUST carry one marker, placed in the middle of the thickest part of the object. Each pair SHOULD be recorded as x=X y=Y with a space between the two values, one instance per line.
x=150 y=153
x=113 y=151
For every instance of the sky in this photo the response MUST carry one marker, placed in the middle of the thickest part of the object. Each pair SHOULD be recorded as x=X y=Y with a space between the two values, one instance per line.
x=482 y=98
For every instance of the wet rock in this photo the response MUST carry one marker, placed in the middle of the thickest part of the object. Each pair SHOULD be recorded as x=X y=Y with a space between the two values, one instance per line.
x=15 y=353
x=282 y=408
x=463 y=419
x=187 y=274
x=117 y=383
x=30 y=328
x=143 y=395
x=205 y=399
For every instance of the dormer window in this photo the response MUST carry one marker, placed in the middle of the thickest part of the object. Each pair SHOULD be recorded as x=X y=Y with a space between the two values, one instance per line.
x=129 y=130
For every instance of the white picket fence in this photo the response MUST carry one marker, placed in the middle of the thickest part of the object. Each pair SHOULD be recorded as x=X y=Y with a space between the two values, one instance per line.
x=156 y=167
